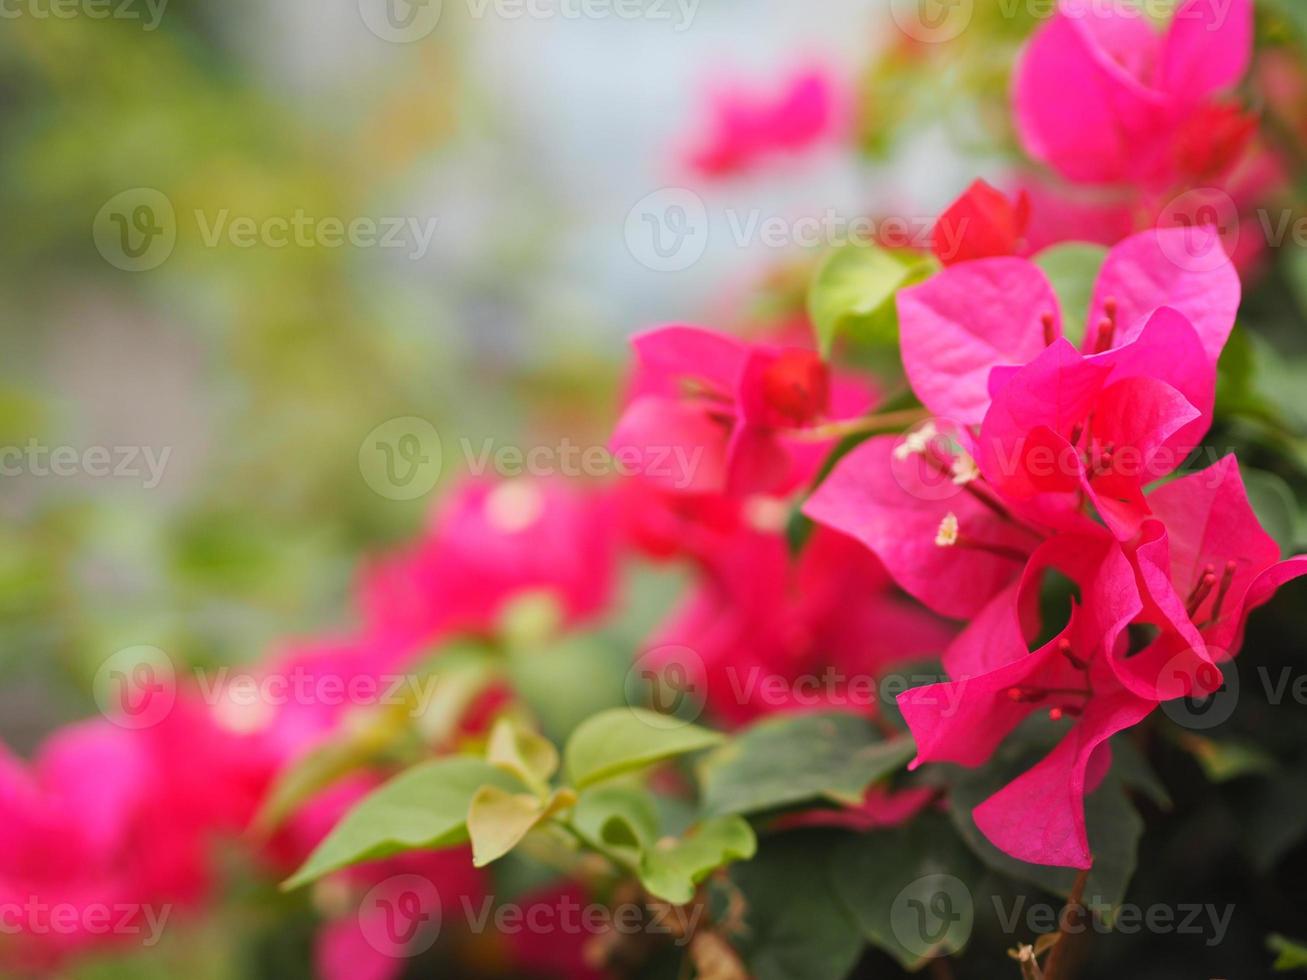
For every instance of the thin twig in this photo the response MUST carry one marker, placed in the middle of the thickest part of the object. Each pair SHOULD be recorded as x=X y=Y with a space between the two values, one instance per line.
x=1055 y=966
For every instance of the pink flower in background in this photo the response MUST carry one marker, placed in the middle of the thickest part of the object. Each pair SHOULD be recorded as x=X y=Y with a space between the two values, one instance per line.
x=1102 y=97
x=982 y=223
x=107 y=817
x=746 y=128
x=493 y=541
x=775 y=632
x=710 y=414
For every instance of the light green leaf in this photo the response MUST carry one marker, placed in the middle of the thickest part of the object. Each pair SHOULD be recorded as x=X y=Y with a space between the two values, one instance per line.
x=497 y=820
x=800 y=759
x=853 y=292
x=1072 y=269
x=1290 y=955
x=423 y=808
x=309 y=775
x=624 y=739
x=530 y=757
x=1228 y=759
x=672 y=869
x=620 y=821
x=911 y=889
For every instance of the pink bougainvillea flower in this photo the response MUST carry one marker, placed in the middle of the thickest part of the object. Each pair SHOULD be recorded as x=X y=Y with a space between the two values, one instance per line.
x=770 y=632
x=107 y=818
x=998 y=681
x=1102 y=97
x=747 y=128
x=961 y=324
x=491 y=542
x=711 y=414
x=1205 y=563
x=982 y=223
x=908 y=500
x=1067 y=428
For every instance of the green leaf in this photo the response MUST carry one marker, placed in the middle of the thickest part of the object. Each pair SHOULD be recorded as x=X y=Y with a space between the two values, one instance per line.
x=1226 y=760
x=1114 y=828
x=796 y=928
x=1274 y=504
x=800 y=759
x=909 y=889
x=306 y=777
x=423 y=808
x=1290 y=955
x=673 y=868
x=1072 y=269
x=530 y=757
x=623 y=739
x=497 y=820
x=620 y=821
x=1135 y=772
x=853 y=292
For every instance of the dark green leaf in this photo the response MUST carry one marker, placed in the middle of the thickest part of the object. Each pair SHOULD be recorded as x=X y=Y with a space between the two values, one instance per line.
x=799 y=759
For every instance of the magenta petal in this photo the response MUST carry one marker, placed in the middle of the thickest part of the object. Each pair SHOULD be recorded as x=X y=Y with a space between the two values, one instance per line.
x=671 y=354
x=672 y=444
x=963 y=721
x=1078 y=109
x=1040 y=816
x=895 y=508
x=966 y=320
x=1207 y=49
x=1168 y=349
x=1023 y=446
x=1183 y=268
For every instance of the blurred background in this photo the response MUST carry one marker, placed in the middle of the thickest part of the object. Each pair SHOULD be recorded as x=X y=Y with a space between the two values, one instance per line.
x=500 y=154
x=240 y=237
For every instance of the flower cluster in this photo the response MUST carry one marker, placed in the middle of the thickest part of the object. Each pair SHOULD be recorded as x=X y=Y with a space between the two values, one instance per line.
x=1045 y=457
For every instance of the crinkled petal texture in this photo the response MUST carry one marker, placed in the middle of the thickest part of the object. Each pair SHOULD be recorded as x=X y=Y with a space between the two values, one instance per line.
x=1079 y=107
x=968 y=319
x=895 y=506
x=1040 y=816
x=1183 y=268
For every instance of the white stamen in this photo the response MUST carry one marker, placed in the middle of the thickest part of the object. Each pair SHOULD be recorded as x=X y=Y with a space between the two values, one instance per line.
x=947 y=535
x=964 y=469
x=917 y=441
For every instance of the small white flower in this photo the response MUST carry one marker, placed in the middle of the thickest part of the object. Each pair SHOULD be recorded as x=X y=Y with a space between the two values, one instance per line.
x=964 y=469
